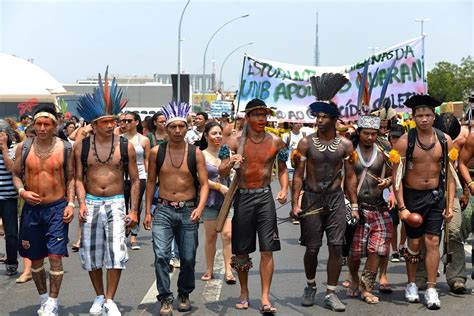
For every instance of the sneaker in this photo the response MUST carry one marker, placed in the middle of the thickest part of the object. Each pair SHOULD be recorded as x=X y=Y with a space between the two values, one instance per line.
x=395 y=257
x=135 y=246
x=49 y=309
x=184 y=305
x=110 y=309
x=175 y=263
x=431 y=298
x=42 y=305
x=11 y=270
x=308 y=296
x=333 y=302
x=98 y=305
x=411 y=293
x=166 y=307
x=401 y=253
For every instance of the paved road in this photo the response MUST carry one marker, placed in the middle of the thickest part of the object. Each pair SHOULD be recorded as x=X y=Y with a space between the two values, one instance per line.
x=136 y=294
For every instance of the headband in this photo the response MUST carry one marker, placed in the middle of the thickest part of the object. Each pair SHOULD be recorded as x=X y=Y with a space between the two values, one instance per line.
x=45 y=114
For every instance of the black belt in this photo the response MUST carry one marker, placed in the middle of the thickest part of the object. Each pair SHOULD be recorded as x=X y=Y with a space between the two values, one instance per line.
x=177 y=204
x=255 y=191
x=382 y=207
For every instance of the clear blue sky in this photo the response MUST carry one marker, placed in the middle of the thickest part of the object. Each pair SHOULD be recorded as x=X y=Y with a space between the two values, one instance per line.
x=75 y=39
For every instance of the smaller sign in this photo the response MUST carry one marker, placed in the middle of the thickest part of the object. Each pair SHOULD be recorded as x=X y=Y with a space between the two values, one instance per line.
x=218 y=107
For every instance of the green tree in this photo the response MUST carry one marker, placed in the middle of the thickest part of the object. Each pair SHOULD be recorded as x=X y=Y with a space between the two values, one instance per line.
x=451 y=82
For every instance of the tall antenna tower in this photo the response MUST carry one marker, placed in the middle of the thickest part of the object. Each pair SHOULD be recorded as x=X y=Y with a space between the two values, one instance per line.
x=316 y=46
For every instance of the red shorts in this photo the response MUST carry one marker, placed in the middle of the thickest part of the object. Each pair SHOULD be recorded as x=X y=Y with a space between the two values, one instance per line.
x=373 y=236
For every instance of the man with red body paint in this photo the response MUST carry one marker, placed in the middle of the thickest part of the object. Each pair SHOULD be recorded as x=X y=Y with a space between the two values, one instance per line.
x=49 y=206
x=254 y=207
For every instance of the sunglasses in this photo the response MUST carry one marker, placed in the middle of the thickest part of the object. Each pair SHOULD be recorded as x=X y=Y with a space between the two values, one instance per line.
x=126 y=121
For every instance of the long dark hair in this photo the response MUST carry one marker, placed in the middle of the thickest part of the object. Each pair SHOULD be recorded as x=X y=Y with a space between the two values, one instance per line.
x=136 y=117
x=151 y=122
x=203 y=143
x=354 y=138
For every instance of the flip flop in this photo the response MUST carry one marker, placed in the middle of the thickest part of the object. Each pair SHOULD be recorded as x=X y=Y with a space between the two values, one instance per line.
x=352 y=292
x=370 y=299
x=242 y=304
x=207 y=276
x=385 y=288
x=75 y=248
x=346 y=283
x=230 y=280
x=267 y=309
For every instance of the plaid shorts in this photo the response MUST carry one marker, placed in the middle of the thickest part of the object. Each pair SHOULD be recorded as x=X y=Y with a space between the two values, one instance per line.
x=373 y=235
x=103 y=234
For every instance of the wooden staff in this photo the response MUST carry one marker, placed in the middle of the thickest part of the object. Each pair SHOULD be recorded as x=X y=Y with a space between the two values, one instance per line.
x=447 y=256
x=229 y=197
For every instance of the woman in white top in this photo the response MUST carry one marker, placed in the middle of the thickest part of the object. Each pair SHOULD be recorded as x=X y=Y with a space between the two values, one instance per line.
x=141 y=144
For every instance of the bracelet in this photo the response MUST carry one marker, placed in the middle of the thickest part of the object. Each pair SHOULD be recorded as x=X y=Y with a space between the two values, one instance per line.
x=402 y=208
x=218 y=186
x=354 y=205
x=470 y=183
x=20 y=190
x=71 y=204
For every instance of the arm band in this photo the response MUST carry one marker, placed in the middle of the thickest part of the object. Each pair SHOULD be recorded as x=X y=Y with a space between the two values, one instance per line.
x=283 y=154
x=224 y=152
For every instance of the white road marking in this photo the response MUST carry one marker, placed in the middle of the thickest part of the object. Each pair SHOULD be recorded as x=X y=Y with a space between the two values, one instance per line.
x=468 y=249
x=150 y=296
x=213 y=287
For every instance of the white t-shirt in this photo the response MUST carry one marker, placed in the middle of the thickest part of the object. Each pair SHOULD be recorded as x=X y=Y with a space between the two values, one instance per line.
x=192 y=136
x=292 y=144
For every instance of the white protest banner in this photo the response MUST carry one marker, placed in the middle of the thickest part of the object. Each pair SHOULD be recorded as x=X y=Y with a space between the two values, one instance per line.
x=287 y=87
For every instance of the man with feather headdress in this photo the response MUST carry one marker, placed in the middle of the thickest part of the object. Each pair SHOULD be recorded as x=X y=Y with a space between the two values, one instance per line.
x=322 y=156
x=100 y=172
x=181 y=170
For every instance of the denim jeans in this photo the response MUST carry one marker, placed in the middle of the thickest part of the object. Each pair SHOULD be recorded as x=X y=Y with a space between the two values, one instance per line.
x=8 y=212
x=169 y=223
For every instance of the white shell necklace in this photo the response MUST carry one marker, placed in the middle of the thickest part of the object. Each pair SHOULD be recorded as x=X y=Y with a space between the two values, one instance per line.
x=372 y=158
x=331 y=147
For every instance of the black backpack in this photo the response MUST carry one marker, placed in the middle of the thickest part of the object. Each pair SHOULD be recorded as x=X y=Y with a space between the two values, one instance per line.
x=191 y=160
x=86 y=145
x=25 y=150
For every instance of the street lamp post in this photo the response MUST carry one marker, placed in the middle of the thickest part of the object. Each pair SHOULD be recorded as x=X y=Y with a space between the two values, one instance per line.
x=205 y=52
x=178 y=93
x=422 y=21
x=423 y=75
x=225 y=59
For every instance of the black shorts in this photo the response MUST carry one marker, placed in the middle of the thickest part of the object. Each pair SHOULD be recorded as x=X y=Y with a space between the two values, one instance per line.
x=254 y=213
x=332 y=222
x=430 y=206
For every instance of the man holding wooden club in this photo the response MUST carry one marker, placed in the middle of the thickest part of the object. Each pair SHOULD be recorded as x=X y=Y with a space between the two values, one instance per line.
x=254 y=207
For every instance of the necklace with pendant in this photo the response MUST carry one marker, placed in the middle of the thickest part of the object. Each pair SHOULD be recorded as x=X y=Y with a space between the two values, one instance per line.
x=322 y=148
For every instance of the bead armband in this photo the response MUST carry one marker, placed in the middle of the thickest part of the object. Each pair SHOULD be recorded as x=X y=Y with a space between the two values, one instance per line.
x=283 y=154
